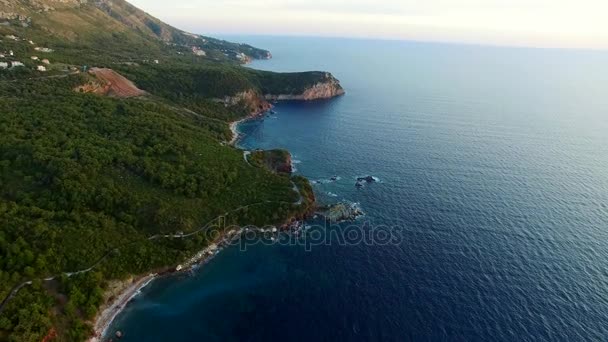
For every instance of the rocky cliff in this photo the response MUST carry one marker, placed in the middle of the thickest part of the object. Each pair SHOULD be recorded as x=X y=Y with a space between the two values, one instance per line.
x=256 y=104
x=250 y=99
x=325 y=89
x=278 y=161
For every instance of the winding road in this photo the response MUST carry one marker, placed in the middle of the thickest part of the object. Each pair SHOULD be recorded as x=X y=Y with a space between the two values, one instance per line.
x=18 y=287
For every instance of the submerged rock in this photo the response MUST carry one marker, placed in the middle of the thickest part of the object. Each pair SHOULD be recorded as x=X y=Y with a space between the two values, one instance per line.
x=369 y=179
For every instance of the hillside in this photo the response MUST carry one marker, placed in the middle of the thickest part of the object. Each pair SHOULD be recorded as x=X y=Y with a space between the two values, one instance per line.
x=113 y=130
x=112 y=27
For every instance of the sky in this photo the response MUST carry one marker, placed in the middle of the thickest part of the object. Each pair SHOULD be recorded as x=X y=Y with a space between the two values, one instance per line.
x=536 y=23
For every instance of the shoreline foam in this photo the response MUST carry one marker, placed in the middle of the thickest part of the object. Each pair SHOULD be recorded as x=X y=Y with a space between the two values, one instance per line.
x=107 y=315
x=235 y=132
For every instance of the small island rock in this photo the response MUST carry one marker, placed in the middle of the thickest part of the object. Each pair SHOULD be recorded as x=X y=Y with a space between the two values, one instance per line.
x=342 y=211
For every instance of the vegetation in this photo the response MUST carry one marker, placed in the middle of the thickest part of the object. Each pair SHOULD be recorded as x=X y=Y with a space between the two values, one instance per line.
x=274 y=160
x=86 y=180
x=81 y=170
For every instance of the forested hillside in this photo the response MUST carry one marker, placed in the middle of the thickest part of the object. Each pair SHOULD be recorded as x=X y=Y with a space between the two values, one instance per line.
x=86 y=179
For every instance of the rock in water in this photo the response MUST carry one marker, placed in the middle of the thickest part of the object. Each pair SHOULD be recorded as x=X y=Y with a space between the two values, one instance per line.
x=369 y=179
x=342 y=212
x=118 y=334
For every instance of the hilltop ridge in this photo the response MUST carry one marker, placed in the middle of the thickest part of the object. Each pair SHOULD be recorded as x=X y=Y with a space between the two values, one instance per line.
x=94 y=23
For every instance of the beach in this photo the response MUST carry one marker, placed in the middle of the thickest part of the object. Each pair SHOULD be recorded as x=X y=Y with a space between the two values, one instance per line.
x=128 y=290
x=107 y=315
x=235 y=132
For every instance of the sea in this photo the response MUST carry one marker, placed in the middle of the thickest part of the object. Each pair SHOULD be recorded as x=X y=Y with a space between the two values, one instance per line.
x=491 y=169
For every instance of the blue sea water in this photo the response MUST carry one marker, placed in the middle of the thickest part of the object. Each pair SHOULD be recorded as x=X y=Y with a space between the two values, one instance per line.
x=493 y=165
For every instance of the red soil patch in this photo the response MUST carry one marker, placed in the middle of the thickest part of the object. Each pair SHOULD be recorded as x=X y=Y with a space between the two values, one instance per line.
x=50 y=336
x=114 y=84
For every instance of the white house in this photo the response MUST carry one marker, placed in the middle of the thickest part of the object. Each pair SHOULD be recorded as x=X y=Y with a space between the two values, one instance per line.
x=41 y=68
x=197 y=51
x=34 y=58
x=16 y=64
x=3 y=65
x=46 y=61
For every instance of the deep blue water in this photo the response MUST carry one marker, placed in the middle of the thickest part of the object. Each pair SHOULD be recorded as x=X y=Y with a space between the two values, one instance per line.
x=494 y=167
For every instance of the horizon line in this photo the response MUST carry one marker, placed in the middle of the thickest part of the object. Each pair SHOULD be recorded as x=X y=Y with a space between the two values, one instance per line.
x=406 y=40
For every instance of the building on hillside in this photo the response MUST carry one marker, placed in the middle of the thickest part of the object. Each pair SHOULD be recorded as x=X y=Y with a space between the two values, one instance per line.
x=156 y=61
x=41 y=68
x=3 y=65
x=43 y=49
x=34 y=58
x=10 y=53
x=197 y=51
x=46 y=61
x=241 y=56
x=15 y=64
x=1 y=55
x=31 y=42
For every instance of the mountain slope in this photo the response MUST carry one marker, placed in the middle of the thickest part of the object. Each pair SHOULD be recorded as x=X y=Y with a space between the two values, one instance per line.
x=113 y=22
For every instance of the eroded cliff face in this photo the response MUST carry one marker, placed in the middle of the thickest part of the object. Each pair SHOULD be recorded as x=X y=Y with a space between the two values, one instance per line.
x=250 y=99
x=325 y=89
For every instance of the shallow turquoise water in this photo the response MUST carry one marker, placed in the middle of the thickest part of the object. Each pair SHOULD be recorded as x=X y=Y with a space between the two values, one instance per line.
x=494 y=168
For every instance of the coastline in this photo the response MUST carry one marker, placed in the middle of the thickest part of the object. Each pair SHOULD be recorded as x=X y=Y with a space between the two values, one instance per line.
x=234 y=125
x=112 y=308
x=235 y=131
x=115 y=307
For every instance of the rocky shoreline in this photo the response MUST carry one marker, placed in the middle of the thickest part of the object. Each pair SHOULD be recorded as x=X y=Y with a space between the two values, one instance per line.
x=258 y=104
x=115 y=307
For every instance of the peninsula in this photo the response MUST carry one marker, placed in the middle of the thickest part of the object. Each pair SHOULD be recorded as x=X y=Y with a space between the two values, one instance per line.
x=114 y=157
